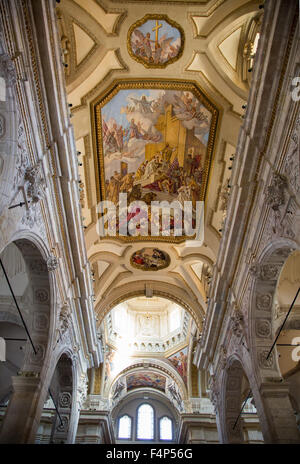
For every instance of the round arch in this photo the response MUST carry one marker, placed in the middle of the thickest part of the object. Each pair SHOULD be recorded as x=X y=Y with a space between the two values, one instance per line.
x=266 y=274
x=160 y=289
x=155 y=366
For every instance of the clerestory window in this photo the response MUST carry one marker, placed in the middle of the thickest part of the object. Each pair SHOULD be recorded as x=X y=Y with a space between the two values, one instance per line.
x=165 y=428
x=124 y=427
x=145 y=422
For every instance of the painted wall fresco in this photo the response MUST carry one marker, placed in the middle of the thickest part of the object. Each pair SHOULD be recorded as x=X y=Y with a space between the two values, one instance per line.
x=179 y=361
x=109 y=363
x=147 y=379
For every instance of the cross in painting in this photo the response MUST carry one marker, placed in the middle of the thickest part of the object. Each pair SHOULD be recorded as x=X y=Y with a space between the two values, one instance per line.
x=155 y=29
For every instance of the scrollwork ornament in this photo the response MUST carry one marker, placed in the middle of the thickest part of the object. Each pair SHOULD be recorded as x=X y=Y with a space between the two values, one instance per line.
x=35 y=183
x=8 y=69
x=52 y=263
x=237 y=320
x=275 y=192
x=82 y=390
x=64 y=318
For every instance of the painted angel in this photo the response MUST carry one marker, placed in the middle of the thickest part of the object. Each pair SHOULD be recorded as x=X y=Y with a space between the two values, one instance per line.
x=186 y=108
x=142 y=44
x=162 y=48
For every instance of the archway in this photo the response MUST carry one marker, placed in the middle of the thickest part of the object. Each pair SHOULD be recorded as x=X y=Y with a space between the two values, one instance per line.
x=237 y=401
x=151 y=288
x=27 y=273
x=286 y=324
x=273 y=389
x=56 y=420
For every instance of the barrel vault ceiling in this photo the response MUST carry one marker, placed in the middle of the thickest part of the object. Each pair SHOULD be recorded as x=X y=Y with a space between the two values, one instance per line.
x=93 y=35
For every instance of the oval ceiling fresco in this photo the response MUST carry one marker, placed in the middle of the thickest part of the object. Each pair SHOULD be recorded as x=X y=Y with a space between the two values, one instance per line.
x=150 y=259
x=155 y=41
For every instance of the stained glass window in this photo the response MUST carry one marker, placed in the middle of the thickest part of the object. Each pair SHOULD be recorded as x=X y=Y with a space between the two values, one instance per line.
x=145 y=422
x=124 y=427
x=165 y=429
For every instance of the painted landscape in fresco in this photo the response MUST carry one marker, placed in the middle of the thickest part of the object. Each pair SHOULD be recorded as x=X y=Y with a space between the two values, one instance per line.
x=179 y=361
x=155 y=42
x=149 y=379
x=155 y=145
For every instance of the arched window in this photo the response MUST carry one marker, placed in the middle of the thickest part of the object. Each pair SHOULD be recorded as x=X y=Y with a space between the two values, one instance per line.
x=145 y=422
x=165 y=429
x=124 y=427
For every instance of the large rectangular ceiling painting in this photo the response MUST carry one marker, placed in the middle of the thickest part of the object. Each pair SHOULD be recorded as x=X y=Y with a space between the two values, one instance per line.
x=154 y=141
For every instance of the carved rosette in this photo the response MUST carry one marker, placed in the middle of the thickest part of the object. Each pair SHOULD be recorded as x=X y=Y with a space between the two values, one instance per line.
x=65 y=400
x=265 y=271
x=264 y=361
x=263 y=328
x=264 y=301
x=63 y=425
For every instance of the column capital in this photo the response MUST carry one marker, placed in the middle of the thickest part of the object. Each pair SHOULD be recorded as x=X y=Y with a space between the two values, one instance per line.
x=274 y=389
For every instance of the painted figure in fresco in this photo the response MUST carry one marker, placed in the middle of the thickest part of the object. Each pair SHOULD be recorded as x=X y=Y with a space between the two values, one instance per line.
x=145 y=157
x=150 y=258
x=167 y=153
x=187 y=107
x=180 y=364
x=146 y=380
x=109 y=366
x=127 y=182
x=134 y=130
x=157 y=51
x=114 y=188
x=143 y=105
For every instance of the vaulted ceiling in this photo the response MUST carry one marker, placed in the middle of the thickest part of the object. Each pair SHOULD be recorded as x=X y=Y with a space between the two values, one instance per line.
x=218 y=37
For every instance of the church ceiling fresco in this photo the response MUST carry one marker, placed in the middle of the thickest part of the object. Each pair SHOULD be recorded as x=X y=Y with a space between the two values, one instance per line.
x=150 y=259
x=155 y=41
x=154 y=142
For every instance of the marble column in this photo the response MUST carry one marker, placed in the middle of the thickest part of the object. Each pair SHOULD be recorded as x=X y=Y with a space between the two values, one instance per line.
x=22 y=417
x=281 y=426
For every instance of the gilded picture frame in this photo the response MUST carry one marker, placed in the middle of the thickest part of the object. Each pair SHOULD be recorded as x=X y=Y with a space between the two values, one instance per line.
x=139 y=88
